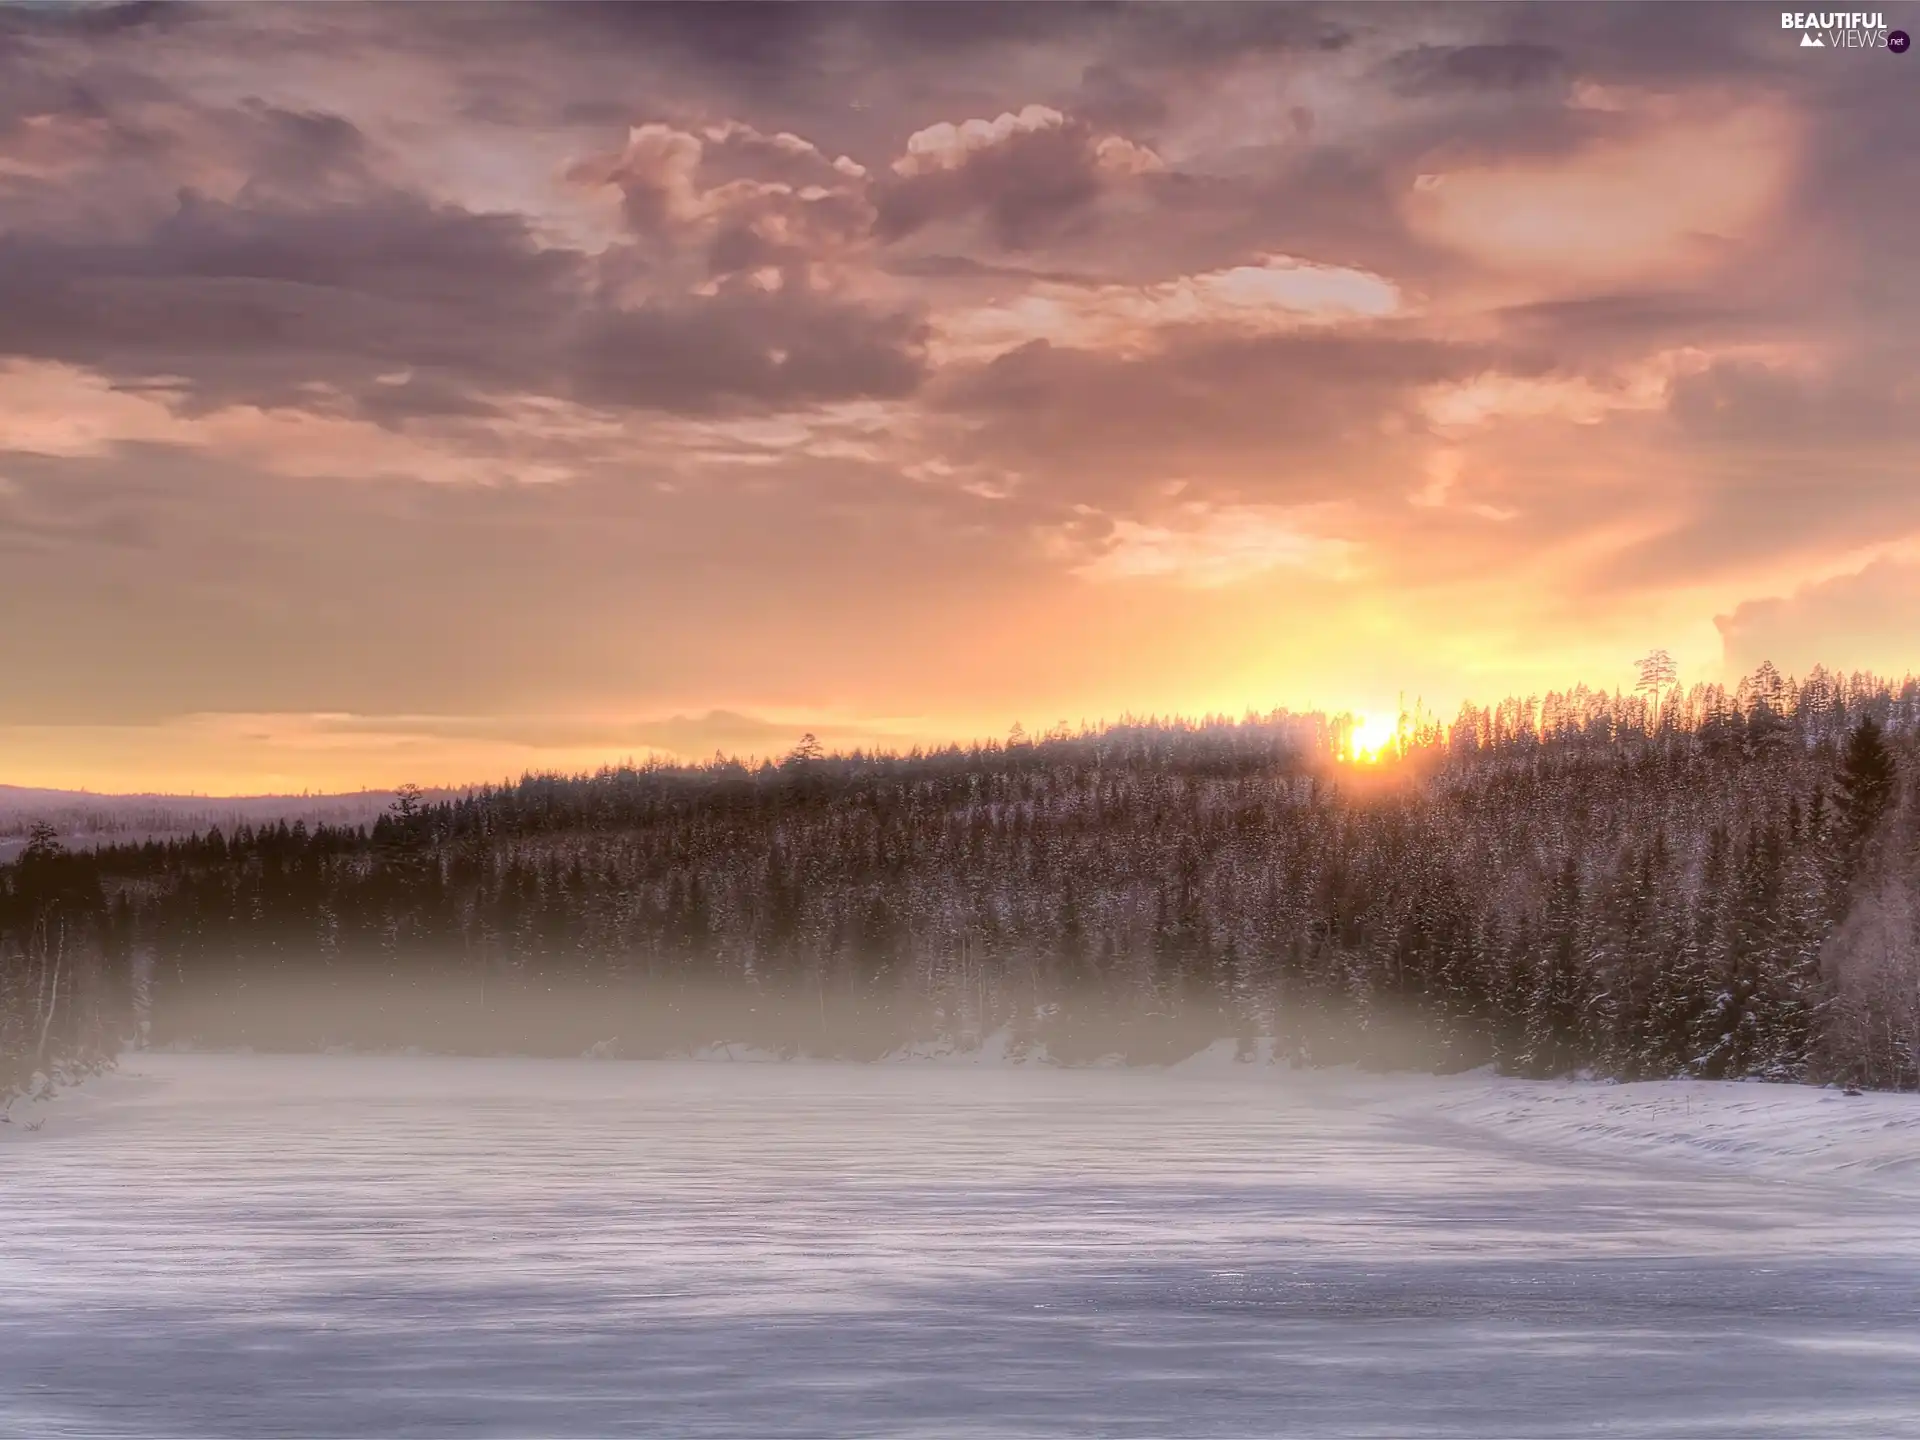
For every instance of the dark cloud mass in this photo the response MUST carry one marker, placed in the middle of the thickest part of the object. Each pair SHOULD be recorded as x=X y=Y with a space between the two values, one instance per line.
x=762 y=350
x=1440 y=68
x=258 y=305
x=251 y=304
x=787 y=37
x=92 y=19
x=926 y=364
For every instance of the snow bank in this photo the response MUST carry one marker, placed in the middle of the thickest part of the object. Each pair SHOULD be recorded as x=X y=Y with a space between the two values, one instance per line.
x=1779 y=1131
x=1225 y=1057
x=997 y=1050
x=739 y=1054
x=1222 y=1057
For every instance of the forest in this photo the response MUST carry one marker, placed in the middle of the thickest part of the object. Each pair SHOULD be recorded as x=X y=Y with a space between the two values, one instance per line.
x=1712 y=882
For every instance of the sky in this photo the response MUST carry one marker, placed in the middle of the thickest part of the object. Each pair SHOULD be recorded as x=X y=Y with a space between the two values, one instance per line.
x=431 y=393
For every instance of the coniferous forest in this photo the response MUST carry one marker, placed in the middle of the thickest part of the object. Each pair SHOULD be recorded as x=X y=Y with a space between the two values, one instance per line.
x=1712 y=883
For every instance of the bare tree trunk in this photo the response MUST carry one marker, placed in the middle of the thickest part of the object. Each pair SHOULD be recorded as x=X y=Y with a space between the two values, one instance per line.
x=53 y=1000
x=40 y=998
x=143 y=995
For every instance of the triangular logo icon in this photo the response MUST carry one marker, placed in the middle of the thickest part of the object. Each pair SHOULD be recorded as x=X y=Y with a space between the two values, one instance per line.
x=1812 y=42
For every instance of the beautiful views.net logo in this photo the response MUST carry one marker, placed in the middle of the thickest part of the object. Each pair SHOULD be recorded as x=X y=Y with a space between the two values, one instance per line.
x=1844 y=30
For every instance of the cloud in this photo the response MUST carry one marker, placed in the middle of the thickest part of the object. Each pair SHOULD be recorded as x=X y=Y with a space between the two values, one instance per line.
x=93 y=19
x=90 y=140
x=680 y=736
x=280 y=256
x=1647 y=383
x=1300 y=415
x=1506 y=66
x=1278 y=294
x=251 y=304
x=758 y=351
x=1025 y=174
x=1207 y=546
x=61 y=411
x=1674 y=198
x=745 y=200
x=792 y=46
x=1629 y=323
x=1865 y=620
x=224 y=305
x=943 y=148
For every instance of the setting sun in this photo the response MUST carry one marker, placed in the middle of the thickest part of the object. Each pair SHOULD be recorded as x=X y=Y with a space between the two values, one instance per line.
x=1368 y=741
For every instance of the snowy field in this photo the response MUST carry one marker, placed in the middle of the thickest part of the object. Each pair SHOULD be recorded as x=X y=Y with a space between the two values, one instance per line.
x=247 y=1246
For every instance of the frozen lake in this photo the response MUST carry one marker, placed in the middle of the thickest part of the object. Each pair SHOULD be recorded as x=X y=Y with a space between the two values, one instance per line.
x=230 y=1245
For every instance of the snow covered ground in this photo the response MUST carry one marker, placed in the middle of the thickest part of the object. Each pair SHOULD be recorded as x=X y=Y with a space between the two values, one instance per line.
x=241 y=1245
x=1787 y=1132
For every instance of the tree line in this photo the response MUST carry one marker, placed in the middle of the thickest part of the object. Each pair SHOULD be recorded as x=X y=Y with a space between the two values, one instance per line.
x=1707 y=882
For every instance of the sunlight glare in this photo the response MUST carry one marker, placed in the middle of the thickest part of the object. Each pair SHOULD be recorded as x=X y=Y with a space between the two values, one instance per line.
x=1371 y=737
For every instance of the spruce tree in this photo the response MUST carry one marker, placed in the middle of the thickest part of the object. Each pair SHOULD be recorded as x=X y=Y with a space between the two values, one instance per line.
x=1866 y=785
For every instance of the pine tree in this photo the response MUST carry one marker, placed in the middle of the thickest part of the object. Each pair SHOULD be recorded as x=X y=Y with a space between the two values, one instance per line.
x=1866 y=788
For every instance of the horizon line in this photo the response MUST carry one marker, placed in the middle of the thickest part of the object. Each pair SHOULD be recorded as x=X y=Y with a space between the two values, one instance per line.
x=1343 y=722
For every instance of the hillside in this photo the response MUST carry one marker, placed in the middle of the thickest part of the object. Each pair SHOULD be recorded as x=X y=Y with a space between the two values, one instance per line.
x=83 y=820
x=1717 y=887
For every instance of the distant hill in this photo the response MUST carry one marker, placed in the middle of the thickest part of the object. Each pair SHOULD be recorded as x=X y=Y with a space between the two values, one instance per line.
x=86 y=820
